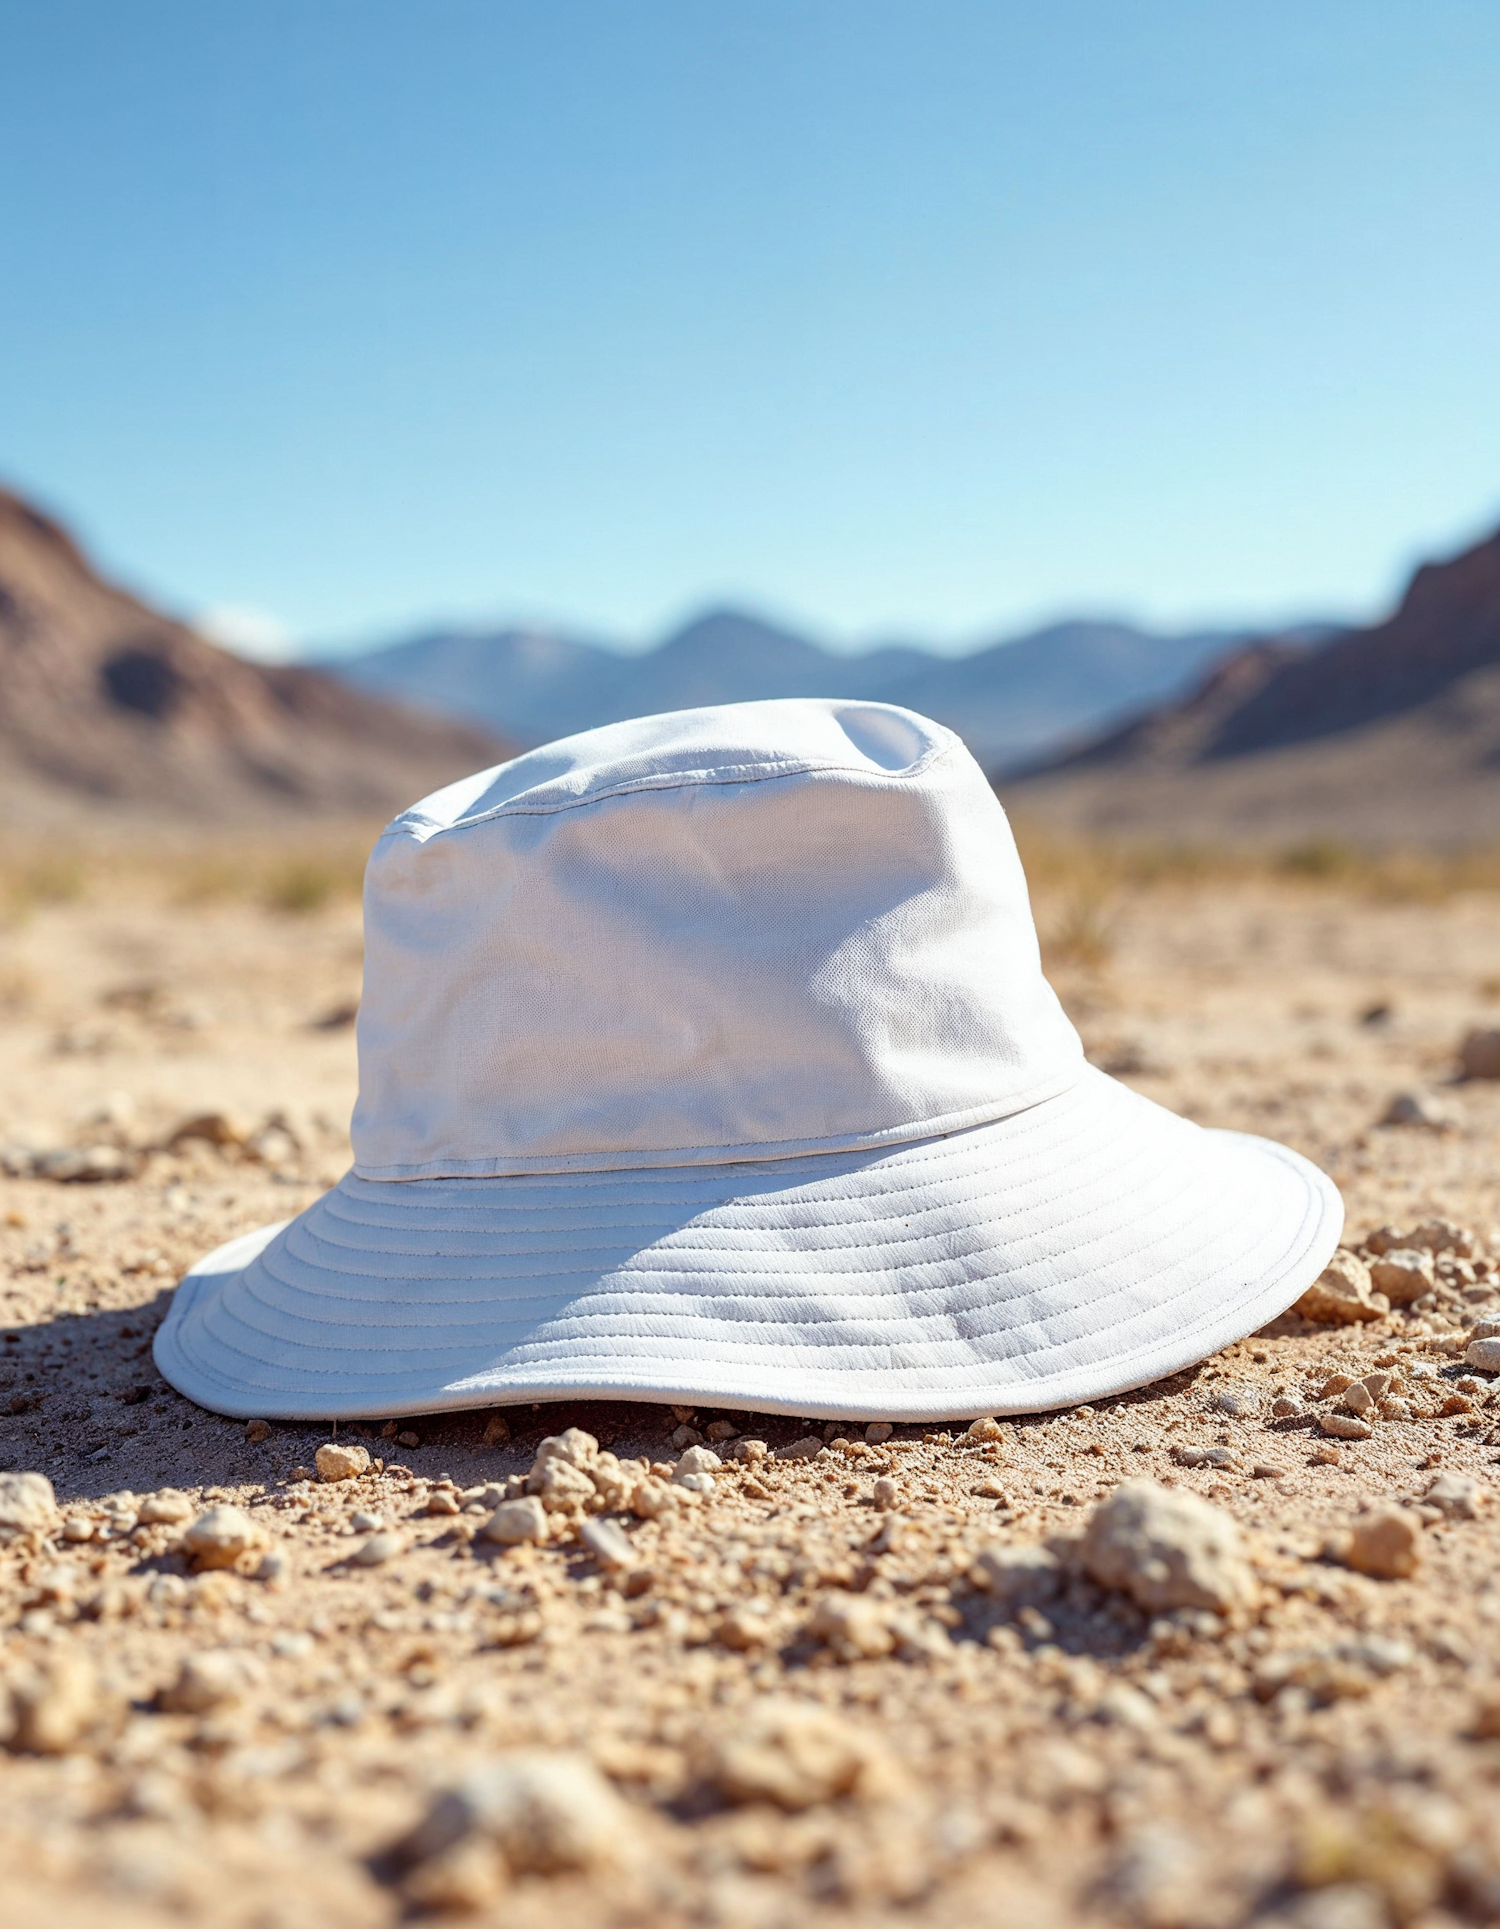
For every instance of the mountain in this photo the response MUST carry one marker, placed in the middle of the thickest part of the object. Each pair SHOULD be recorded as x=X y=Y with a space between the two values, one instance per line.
x=1386 y=734
x=106 y=698
x=1011 y=701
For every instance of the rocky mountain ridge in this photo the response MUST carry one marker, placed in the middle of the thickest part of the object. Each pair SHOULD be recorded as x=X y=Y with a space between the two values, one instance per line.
x=107 y=699
x=1011 y=701
x=1384 y=734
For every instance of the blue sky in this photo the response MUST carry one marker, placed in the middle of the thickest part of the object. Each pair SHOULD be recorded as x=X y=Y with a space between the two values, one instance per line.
x=927 y=320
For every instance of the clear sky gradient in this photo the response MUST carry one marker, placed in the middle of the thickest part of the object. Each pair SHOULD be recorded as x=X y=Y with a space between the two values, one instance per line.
x=909 y=319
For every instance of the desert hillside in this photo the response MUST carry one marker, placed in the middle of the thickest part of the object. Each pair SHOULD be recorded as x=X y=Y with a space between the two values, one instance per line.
x=1384 y=735
x=106 y=699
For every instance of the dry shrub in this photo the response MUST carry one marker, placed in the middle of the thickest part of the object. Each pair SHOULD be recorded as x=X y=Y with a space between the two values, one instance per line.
x=41 y=876
x=311 y=882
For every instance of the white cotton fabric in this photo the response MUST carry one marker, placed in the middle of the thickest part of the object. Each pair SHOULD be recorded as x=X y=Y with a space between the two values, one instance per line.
x=719 y=934
x=708 y=1057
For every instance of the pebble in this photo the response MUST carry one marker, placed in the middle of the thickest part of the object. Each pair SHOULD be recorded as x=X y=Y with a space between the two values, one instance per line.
x=807 y=1448
x=462 y=1880
x=796 y=1755
x=743 y=1629
x=1020 y=1576
x=213 y=1128
x=987 y=1428
x=886 y=1493
x=608 y=1542
x=376 y=1551
x=365 y=1522
x=852 y=1626
x=1341 y=1294
x=1385 y=1544
x=1268 y=1470
x=515 y=1521
x=210 y=1679
x=86 y=1165
x=1479 y=1054
x=1239 y=1402
x=695 y=1483
x=441 y=1501
x=878 y=1432
x=1485 y=1354
x=1403 y=1275
x=1419 y=1109
x=53 y=1707
x=27 y=1506
x=257 y=1431
x=1456 y=1495
x=1344 y=1426
x=496 y=1431
x=166 y=1508
x=1167 y=1550
x=544 y=1812
x=698 y=1460
x=220 y=1537
x=750 y=1451
x=340 y=1460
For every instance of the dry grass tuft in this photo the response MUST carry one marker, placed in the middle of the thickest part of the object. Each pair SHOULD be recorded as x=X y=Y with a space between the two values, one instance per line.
x=1091 y=868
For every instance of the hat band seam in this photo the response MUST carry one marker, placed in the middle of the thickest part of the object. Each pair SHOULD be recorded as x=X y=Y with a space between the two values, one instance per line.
x=722 y=774
x=748 y=1152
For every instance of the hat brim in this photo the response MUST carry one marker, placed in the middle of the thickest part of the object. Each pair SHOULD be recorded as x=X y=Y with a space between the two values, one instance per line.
x=1087 y=1245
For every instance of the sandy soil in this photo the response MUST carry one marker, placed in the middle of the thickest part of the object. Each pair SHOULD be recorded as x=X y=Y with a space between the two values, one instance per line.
x=794 y=1704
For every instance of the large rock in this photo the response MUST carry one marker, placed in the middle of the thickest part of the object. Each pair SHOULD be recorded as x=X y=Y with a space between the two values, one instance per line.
x=1341 y=1295
x=1168 y=1550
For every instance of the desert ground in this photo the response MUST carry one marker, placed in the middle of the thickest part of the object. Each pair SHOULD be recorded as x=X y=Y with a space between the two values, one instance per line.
x=845 y=1676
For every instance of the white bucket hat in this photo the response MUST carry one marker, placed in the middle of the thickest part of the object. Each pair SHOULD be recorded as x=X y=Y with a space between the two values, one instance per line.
x=708 y=1058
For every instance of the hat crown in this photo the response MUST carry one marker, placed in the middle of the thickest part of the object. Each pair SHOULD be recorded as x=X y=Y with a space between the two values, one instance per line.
x=733 y=933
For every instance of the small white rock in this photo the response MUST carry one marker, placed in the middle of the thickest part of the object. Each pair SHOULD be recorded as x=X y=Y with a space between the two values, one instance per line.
x=376 y=1551
x=515 y=1521
x=221 y=1537
x=27 y=1506
x=546 y=1812
x=698 y=1460
x=608 y=1542
x=341 y=1460
x=166 y=1508
x=207 y=1680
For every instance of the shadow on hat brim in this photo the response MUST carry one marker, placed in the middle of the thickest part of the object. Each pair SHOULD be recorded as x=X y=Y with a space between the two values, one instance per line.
x=1090 y=1244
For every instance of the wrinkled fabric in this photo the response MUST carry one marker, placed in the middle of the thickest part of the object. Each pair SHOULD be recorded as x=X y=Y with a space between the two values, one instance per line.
x=725 y=934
